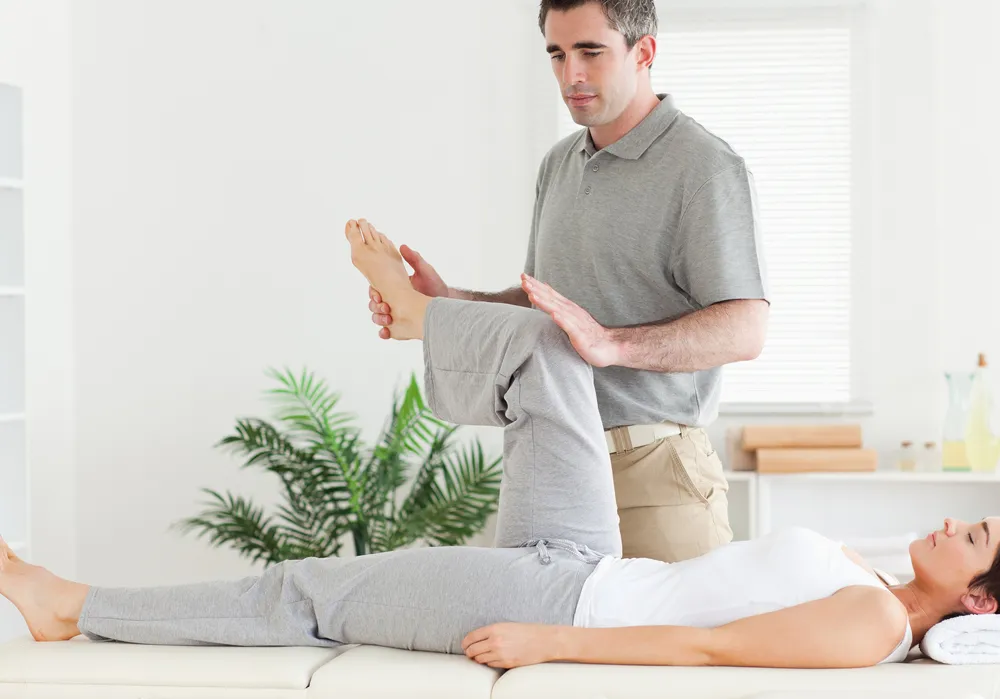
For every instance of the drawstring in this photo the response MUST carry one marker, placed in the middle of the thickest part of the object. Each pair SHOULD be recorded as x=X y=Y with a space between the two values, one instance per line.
x=543 y=552
x=578 y=551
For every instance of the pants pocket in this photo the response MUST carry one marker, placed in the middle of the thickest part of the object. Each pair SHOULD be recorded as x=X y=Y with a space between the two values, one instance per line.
x=683 y=458
x=679 y=470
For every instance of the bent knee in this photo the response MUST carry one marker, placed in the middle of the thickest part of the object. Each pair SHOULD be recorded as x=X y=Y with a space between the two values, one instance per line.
x=547 y=337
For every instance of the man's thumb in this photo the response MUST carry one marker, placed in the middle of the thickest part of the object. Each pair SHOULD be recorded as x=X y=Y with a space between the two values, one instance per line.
x=411 y=256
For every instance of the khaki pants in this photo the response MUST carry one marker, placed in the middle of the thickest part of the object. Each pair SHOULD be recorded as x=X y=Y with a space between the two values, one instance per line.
x=672 y=498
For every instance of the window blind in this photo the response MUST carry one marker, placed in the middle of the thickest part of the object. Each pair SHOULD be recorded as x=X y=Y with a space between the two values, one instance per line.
x=780 y=94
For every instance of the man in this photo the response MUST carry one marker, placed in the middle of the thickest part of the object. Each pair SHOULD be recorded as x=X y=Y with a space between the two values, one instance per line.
x=645 y=250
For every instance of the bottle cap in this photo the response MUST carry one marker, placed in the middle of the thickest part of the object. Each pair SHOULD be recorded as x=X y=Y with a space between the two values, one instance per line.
x=982 y=359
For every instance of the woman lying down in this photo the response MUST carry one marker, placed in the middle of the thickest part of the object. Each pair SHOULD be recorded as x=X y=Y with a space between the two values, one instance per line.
x=556 y=587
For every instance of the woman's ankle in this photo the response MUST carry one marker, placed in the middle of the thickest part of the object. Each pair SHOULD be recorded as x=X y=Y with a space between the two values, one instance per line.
x=71 y=602
x=419 y=313
x=409 y=307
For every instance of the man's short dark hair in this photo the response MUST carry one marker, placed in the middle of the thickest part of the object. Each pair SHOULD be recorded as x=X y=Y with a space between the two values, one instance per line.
x=633 y=19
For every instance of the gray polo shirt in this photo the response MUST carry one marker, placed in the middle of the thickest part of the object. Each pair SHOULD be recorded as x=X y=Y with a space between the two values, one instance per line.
x=656 y=225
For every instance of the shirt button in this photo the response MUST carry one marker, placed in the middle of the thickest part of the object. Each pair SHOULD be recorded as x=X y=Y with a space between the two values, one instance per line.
x=596 y=168
x=588 y=190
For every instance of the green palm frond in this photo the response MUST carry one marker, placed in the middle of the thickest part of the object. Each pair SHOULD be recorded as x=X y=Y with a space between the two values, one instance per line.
x=416 y=424
x=335 y=488
x=454 y=504
x=234 y=521
x=317 y=489
x=410 y=431
x=403 y=528
x=307 y=403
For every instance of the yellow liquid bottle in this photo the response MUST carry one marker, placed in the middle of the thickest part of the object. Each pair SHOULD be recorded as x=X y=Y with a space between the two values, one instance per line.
x=954 y=456
x=981 y=444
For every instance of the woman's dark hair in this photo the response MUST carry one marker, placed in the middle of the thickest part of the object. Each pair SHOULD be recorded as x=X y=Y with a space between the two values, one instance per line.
x=988 y=581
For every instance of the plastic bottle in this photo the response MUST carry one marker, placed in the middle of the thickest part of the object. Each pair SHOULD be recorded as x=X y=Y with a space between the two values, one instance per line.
x=930 y=458
x=981 y=443
x=954 y=456
x=907 y=457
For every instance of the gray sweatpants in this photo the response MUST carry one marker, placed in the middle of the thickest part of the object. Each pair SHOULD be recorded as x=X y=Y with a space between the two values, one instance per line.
x=485 y=364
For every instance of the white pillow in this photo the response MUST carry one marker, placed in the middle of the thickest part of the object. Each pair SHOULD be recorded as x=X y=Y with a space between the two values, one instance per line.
x=971 y=639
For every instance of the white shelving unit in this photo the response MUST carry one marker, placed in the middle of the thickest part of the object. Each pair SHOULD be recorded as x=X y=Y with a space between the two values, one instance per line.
x=13 y=457
x=13 y=454
x=859 y=505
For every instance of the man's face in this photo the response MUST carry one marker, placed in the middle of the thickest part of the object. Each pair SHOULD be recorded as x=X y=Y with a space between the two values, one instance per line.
x=595 y=69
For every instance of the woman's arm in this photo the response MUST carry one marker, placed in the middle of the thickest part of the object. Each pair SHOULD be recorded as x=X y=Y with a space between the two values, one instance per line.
x=856 y=627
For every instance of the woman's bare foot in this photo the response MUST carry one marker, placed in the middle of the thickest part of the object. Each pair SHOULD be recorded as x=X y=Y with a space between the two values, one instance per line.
x=50 y=605
x=379 y=260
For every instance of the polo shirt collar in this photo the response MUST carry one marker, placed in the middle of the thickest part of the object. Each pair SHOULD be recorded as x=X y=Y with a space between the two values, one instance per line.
x=632 y=145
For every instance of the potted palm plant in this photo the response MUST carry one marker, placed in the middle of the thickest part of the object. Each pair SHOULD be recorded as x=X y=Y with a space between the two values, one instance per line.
x=415 y=485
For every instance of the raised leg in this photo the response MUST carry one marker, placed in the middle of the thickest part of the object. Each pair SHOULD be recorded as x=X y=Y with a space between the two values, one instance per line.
x=497 y=364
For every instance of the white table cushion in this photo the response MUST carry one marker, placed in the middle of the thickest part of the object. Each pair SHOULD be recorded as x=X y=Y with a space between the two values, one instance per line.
x=85 y=662
x=916 y=680
x=858 y=694
x=84 y=669
x=370 y=672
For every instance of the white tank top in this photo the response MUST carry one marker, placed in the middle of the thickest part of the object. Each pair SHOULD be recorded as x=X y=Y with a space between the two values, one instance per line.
x=741 y=579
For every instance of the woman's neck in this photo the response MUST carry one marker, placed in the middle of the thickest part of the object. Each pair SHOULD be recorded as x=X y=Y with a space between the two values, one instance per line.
x=921 y=607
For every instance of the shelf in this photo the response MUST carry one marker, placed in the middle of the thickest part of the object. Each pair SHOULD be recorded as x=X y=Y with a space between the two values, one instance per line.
x=893 y=477
x=11 y=417
x=12 y=364
x=874 y=476
x=858 y=408
x=11 y=183
x=11 y=291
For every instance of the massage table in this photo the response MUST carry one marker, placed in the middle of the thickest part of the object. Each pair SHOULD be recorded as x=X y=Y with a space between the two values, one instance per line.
x=82 y=668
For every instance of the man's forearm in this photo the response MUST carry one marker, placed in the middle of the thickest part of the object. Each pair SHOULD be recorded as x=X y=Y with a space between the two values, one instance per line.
x=514 y=296
x=732 y=331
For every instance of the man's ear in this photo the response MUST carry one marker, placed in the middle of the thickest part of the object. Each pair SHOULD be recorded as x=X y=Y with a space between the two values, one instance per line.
x=979 y=602
x=646 y=51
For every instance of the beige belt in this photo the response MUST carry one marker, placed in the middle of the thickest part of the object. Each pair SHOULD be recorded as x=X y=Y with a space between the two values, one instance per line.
x=635 y=436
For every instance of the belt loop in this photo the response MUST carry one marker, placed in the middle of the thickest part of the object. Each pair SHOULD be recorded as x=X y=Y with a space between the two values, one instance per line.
x=626 y=438
x=616 y=437
x=684 y=430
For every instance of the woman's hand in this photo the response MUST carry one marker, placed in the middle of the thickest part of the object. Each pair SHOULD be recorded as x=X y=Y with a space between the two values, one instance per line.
x=512 y=645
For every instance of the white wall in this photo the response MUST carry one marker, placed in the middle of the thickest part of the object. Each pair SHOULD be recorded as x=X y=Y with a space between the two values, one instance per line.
x=218 y=148
x=936 y=244
x=929 y=291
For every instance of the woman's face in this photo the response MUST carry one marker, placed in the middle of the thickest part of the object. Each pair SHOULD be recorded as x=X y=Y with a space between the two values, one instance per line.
x=949 y=558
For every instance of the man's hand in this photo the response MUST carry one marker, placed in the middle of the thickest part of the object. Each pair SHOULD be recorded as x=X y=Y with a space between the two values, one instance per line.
x=424 y=279
x=510 y=645
x=380 y=313
x=591 y=339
